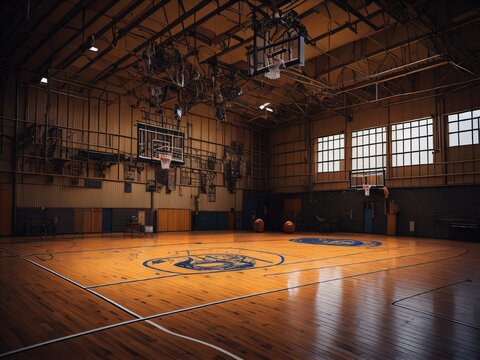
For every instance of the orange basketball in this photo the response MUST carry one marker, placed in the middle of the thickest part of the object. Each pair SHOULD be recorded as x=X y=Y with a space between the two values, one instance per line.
x=288 y=227
x=258 y=226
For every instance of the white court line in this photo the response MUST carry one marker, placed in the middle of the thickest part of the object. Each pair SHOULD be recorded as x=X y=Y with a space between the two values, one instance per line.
x=128 y=311
x=195 y=340
x=218 y=302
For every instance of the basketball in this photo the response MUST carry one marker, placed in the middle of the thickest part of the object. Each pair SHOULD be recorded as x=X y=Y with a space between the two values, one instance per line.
x=288 y=227
x=258 y=226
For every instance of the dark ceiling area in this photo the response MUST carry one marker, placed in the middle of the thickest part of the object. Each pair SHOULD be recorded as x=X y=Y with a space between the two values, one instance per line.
x=358 y=53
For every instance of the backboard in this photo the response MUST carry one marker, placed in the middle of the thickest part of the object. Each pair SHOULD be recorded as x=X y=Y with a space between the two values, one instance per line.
x=373 y=177
x=154 y=140
x=278 y=39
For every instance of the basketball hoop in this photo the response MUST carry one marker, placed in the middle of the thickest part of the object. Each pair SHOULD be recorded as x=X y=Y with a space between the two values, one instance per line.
x=273 y=72
x=165 y=160
x=366 y=189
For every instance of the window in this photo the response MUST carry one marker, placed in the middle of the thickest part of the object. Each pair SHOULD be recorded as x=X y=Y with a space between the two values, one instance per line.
x=412 y=143
x=369 y=148
x=463 y=128
x=331 y=151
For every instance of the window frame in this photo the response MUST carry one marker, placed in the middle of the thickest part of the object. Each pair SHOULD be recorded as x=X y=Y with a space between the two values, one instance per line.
x=337 y=153
x=361 y=151
x=455 y=119
x=412 y=132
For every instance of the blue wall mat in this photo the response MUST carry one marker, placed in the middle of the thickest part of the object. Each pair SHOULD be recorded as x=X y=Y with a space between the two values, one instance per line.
x=335 y=242
x=222 y=221
x=107 y=220
x=206 y=220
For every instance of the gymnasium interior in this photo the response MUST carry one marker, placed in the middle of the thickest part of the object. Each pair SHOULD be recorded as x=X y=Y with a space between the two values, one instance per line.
x=239 y=179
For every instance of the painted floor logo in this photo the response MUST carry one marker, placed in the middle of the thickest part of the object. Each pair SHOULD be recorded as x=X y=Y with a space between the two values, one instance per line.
x=214 y=260
x=336 y=242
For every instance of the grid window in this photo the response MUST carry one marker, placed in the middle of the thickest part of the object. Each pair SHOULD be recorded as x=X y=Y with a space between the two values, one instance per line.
x=463 y=128
x=330 y=151
x=369 y=148
x=412 y=143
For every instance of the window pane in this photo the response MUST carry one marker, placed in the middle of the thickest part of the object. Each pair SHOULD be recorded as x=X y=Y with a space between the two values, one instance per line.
x=453 y=139
x=406 y=146
x=400 y=134
x=407 y=134
x=423 y=157
x=430 y=157
x=394 y=135
x=452 y=117
x=415 y=132
x=360 y=140
x=415 y=158
x=372 y=150
x=400 y=160
x=415 y=144
x=336 y=166
x=407 y=159
x=400 y=147
x=430 y=129
x=342 y=142
x=453 y=126
x=475 y=137
x=423 y=131
x=465 y=125
x=394 y=160
x=476 y=113
x=423 y=143
x=465 y=115
x=465 y=138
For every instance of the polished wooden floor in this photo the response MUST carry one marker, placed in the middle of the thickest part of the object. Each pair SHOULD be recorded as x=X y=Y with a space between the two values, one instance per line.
x=239 y=295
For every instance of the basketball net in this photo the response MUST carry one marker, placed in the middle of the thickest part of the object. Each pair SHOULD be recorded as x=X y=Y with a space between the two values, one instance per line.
x=273 y=72
x=165 y=160
x=366 y=188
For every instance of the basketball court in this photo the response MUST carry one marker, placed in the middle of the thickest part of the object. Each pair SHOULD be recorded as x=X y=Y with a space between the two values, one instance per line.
x=239 y=179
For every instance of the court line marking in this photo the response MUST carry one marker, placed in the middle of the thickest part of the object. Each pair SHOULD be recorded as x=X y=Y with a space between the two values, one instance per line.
x=262 y=267
x=361 y=262
x=141 y=246
x=132 y=313
x=195 y=307
x=396 y=303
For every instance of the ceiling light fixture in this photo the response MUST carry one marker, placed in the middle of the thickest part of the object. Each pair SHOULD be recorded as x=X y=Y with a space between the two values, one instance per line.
x=263 y=106
x=44 y=80
x=92 y=44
